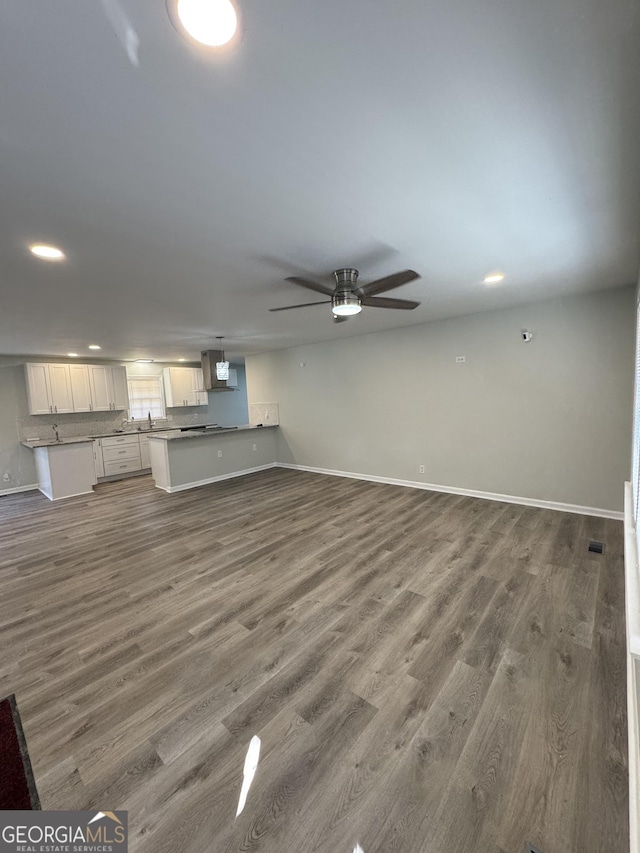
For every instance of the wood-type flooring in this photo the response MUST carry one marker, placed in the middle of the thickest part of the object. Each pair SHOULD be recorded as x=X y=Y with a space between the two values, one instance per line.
x=427 y=673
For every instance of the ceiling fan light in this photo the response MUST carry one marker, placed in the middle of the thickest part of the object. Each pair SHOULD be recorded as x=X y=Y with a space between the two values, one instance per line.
x=210 y=22
x=346 y=306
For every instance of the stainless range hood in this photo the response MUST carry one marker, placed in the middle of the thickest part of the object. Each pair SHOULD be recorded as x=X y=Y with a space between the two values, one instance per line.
x=211 y=382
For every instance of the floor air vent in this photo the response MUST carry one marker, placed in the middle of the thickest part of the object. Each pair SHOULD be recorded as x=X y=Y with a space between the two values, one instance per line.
x=596 y=547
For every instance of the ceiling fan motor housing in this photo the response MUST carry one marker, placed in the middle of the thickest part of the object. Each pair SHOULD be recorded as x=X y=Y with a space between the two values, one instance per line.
x=346 y=279
x=344 y=301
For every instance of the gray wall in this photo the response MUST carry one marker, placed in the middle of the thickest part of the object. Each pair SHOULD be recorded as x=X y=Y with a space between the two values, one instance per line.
x=547 y=420
x=231 y=408
x=16 y=461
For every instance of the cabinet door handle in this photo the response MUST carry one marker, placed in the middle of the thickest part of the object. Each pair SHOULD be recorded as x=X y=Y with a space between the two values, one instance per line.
x=51 y=409
x=56 y=408
x=123 y=466
x=90 y=407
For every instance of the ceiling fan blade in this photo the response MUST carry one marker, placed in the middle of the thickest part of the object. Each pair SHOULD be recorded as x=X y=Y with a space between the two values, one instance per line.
x=311 y=285
x=387 y=283
x=385 y=302
x=303 y=305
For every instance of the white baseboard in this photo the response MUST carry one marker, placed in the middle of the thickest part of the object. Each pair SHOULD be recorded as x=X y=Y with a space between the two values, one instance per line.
x=195 y=484
x=17 y=489
x=453 y=490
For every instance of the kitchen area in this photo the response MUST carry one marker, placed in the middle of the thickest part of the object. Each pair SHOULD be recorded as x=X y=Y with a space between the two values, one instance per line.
x=89 y=423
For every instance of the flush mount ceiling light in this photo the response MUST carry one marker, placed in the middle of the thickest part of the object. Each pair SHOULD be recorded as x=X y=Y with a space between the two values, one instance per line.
x=345 y=305
x=493 y=278
x=47 y=253
x=210 y=22
x=222 y=367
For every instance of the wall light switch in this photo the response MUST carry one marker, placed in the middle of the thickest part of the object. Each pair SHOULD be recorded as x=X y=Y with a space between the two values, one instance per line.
x=255 y=446
x=219 y=454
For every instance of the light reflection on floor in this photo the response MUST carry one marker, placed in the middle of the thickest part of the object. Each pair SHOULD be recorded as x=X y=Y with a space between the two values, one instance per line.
x=250 y=766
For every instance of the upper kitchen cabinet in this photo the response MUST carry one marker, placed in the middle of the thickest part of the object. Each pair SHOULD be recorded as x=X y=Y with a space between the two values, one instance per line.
x=184 y=386
x=58 y=389
x=108 y=387
x=80 y=387
x=49 y=389
x=120 y=388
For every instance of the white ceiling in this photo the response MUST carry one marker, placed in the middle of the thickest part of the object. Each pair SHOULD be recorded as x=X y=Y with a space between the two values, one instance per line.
x=453 y=138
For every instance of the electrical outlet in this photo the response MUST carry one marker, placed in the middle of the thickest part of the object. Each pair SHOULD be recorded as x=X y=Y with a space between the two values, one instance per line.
x=460 y=359
x=421 y=469
x=6 y=477
x=219 y=454
x=255 y=446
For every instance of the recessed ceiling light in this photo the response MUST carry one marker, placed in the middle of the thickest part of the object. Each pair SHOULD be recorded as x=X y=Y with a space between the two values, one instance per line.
x=72 y=354
x=182 y=359
x=145 y=360
x=211 y=22
x=493 y=278
x=94 y=346
x=47 y=253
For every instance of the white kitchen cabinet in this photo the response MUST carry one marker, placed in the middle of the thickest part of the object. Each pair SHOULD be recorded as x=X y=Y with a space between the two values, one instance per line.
x=80 y=387
x=48 y=389
x=38 y=389
x=121 y=455
x=184 y=386
x=108 y=387
x=120 y=387
x=97 y=458
x=145 y=457
x=60 y=385
x=100 y=380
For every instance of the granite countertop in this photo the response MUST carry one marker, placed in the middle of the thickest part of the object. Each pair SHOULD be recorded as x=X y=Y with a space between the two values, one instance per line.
x=167 y=433
x=51 y=442
x=176 y=434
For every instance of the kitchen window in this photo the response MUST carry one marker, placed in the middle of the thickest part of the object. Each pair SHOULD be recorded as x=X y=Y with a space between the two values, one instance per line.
x=145 y=396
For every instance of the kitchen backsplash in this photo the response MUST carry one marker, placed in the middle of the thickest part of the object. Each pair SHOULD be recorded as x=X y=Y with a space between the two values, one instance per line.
x=264 y=413
x=94 y=423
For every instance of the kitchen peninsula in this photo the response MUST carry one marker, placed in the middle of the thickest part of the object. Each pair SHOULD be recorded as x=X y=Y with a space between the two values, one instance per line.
x=65 y=467
x=180 y=458
x=187 y=458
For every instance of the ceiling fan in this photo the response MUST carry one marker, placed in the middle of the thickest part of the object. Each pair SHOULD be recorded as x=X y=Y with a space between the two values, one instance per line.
x=348 y=297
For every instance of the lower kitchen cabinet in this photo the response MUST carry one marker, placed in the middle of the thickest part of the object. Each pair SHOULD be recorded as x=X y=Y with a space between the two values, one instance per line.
x=145 y=457
x=121 y=454
x=97 y=458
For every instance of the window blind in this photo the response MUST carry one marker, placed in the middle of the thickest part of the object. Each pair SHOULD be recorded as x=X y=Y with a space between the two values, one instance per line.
x=145 y=396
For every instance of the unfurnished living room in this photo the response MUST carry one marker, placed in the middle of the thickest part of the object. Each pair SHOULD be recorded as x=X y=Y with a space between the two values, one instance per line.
x=319 y=426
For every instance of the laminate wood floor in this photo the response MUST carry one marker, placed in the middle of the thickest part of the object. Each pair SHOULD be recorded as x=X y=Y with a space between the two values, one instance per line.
x=426 y=672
